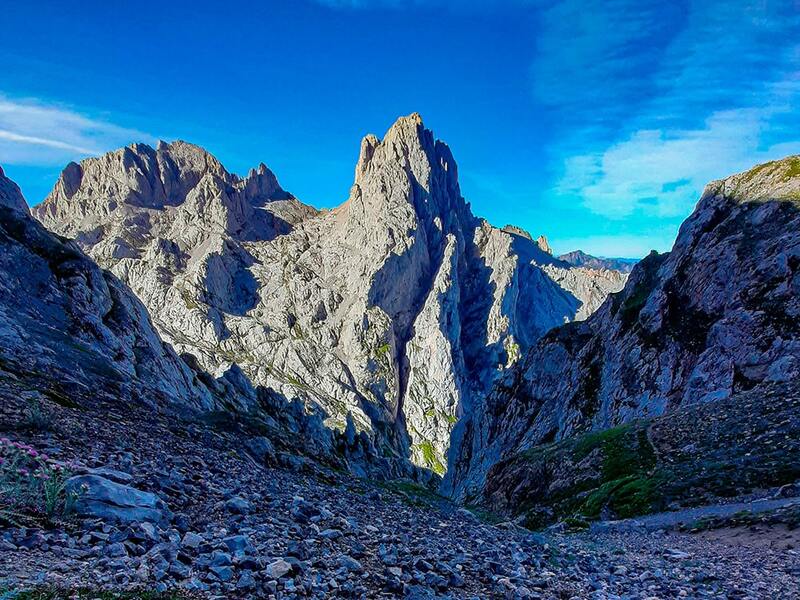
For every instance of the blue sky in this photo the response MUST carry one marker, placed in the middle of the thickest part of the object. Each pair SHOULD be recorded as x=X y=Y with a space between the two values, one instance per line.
x=595 y=122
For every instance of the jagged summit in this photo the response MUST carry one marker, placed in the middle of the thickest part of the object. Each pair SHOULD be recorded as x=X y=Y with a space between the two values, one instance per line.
x=515 y=230
x=543 y=244
x=392 y=311
x=133 y=195
x=138 y=176
x=409 y=165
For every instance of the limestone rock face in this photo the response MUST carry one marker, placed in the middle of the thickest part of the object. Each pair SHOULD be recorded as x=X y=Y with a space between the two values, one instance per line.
x=719 y=314
x=10 y=195
x=78 y=329
x=543 y=244
x=74 y=334
x=396 y=308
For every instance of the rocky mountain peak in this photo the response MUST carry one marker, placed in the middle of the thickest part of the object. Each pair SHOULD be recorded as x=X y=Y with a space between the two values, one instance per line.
x=10 y=194
x=395 y=308
x=514 y=230
x=184 y=184
x=261 y=186
x=407 y=176
x=774 y=180
x=579 y=258
x=543 y=244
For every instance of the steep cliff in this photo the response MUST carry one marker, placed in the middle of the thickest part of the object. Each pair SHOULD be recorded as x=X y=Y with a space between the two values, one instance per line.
x=716 y=316
x=75 y=330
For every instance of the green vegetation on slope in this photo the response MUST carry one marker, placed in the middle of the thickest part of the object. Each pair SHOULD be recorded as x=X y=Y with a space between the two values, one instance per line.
x=694 y=456
x=430 y=460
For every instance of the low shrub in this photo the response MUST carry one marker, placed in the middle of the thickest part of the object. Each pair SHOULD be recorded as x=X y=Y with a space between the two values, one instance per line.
x=37 y=418
x=32 y=486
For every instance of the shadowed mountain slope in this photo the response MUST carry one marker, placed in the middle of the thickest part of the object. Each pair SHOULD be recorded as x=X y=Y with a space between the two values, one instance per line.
x=716 y=316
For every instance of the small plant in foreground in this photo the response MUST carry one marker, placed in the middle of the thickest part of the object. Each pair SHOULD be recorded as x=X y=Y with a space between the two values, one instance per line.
x=37 y=418
x=32 y=486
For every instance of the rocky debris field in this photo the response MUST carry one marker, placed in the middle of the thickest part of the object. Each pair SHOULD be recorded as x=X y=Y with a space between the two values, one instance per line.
x=183 y=507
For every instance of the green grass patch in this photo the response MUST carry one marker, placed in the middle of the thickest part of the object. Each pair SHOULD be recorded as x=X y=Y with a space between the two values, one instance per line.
x=626 y=450
x=486 y=516
x=793 y=170
x=188 y=301
x=412 y=493
x=626 y=482
x=432 y=413
x=429 y=457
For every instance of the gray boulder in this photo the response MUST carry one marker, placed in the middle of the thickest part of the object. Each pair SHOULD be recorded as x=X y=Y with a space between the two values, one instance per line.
x=261 y=448
x=101 y=498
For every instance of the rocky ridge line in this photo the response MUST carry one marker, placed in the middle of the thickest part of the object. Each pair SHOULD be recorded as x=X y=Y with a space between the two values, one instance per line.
x=398 y=307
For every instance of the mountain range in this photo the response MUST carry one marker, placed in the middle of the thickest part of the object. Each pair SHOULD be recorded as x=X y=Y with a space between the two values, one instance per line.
x=398 y=307
x=257 y=397
x=579 y=258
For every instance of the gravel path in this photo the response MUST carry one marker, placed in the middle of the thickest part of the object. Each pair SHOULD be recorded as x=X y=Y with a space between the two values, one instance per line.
x=668 y=520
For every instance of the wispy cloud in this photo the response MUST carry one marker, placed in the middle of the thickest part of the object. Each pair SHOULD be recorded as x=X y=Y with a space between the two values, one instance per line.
x=659 y=172
x=596 y=59
x=647 y=124
x=33 y=132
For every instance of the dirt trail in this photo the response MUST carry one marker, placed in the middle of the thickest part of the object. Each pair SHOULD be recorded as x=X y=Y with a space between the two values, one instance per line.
x=684 y=517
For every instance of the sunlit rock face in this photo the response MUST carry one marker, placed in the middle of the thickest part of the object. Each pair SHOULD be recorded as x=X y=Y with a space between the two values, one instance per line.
x=717 y=315
x=398 y=307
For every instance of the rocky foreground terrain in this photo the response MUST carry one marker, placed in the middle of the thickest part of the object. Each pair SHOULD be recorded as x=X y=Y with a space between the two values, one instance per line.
x=216 y=518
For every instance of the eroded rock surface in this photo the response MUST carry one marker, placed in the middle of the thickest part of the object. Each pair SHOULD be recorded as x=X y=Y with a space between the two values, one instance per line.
x=717 y=315
x=75 y=329
x=398 y=307
x=74 y=334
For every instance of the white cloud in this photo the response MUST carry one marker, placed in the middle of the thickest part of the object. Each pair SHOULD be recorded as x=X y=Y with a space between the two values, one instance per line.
x=661 y=173
x=722 y=97
x=592 y=53
x=33 y=132
x=29 y=139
